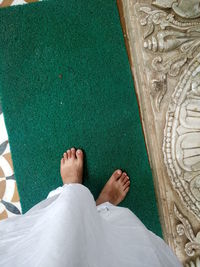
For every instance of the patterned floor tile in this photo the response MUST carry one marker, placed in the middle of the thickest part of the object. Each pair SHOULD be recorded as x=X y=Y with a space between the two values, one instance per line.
x=6 y=3
x=9 y=198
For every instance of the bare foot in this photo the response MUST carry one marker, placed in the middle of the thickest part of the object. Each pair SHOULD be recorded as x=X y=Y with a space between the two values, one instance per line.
x=71 y=167
x=115 y=189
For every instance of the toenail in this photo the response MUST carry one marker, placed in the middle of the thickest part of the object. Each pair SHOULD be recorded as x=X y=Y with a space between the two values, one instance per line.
x=119 y=172
x=78 y=151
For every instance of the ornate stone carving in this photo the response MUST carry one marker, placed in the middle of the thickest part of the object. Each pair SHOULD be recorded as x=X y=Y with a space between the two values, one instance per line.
x=184 y=8
x=181 y=146
x=185 y=228
x=165 y=57
x=160 y=88
x=173 y=45
x=164 y=34
x=195 y=263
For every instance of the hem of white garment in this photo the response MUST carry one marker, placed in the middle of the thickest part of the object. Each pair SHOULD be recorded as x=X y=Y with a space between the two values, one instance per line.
x=58 y=190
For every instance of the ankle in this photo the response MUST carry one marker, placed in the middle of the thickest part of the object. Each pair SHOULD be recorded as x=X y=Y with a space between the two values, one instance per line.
x=98 y=202
x=102 y=199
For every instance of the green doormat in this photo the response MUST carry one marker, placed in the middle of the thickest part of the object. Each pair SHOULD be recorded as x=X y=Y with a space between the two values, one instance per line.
x=65 y=81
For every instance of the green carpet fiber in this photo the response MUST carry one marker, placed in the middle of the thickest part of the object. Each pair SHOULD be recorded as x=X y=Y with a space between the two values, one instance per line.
x=65 y=81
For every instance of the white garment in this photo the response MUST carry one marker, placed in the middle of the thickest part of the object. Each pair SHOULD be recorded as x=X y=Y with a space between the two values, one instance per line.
x=68 y=230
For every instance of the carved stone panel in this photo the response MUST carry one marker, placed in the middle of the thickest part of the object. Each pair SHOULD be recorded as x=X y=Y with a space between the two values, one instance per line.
x=163 y=42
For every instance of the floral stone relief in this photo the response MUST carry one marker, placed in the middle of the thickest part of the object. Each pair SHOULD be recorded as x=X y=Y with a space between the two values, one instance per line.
x=164 y=43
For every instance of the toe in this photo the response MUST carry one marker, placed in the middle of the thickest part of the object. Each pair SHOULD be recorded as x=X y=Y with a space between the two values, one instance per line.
x=79 y=154
x=69 y=153
x=62 y=161
x=116 y=175
x=126 y=179
x=122 y=178
x=73 y=152
x=127 y=185
x=126 y=191
x=65 y=155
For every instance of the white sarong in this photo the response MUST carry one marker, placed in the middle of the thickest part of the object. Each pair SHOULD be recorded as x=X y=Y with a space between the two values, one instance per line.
x=68 y=230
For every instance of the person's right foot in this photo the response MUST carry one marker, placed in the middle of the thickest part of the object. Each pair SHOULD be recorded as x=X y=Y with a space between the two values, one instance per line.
x=71 y=166
x=115 y=189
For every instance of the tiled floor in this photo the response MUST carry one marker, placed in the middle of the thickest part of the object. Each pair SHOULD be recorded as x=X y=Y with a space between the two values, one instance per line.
x=5 y=3
x=9 y=198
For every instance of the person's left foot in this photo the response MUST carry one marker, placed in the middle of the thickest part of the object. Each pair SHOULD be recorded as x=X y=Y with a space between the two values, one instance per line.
x=115 y=189
x=71 y=166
